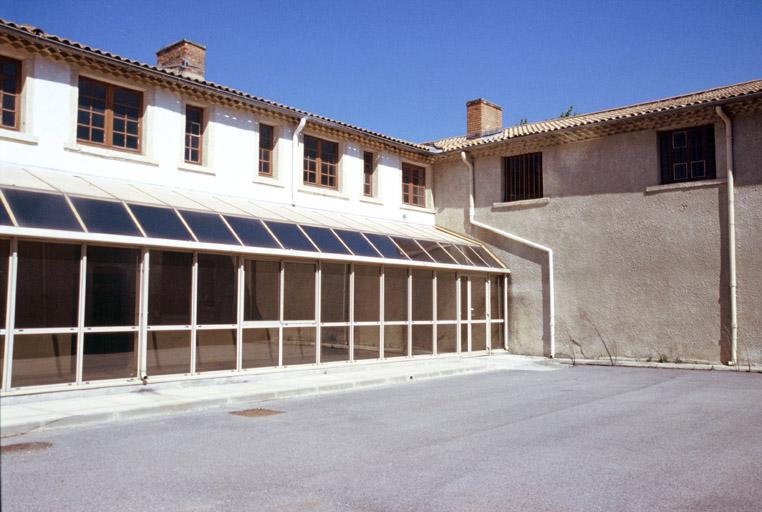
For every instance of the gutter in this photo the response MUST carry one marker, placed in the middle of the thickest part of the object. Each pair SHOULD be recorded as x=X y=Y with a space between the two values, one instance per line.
x=515 y=238
x=731 y=234
x=295 y=156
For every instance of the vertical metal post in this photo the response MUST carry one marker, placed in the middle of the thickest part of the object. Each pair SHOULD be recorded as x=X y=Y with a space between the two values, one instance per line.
x=505 y=312
x=81 y=303
x=241 y=290
x=194 y=311
x=281 y=285
x=145 y=270
x=468 y=311
x=488 y=312
x=409 y=312
x=351 y=312
x=458 y=307
x=381 y=313
x=434 y=348
x=318 y=299
x=10 y=313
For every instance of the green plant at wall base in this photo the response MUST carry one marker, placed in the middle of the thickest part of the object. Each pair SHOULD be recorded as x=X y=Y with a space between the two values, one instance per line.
x=663 y=358
x=678 y=360
x=649 y=359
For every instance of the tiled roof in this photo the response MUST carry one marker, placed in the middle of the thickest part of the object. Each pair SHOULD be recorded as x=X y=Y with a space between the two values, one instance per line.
x=41 y=34
x=621 y=113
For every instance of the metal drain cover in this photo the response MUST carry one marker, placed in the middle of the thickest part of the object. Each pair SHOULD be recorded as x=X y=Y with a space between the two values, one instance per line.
x=24 y=447
x=256 y=413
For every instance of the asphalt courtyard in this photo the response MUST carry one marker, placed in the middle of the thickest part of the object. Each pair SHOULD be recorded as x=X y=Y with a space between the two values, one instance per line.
x=582 y=438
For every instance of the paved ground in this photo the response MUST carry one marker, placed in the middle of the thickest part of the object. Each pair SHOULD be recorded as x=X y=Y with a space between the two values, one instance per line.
x=583 y=438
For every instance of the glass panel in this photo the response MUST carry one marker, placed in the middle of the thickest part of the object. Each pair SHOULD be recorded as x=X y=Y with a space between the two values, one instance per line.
x=464 y=338
x=436 y=252
x=208 y=227
x=252 y=232
x=217 y=285
x=412 y=249
x=5 y=219
x=215 y=350
x=446 y=303
x=290 y=236
x=325 y=240
x=496 y=297
x=299 y=292
x=169 y=288
x=473 y=256
x=334 y=296
x=44 y=359
x=478 y=337
x=107 y=217
x=457 y=254
x=357 y=243
x=395 y=340
x=160 y=222
x=260 y=348
x=423 y=339
x=36 y=210
x=47 y=285
x=367 y=294
x=169 y=352
x=5 y=251
x=111 y=291
x=447 y=342
x=386 y=247
x=423 y=298
x=334 y=344
x=2 y=356
x=366 y=342
x=478 y=298
x=484 y=255
x=496 y=335
x=395 y=294
x=298 y=345
x=109 y=355
x=262 y=294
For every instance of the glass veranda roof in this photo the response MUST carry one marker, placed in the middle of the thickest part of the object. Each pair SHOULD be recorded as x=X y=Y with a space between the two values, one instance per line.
x=43 y=199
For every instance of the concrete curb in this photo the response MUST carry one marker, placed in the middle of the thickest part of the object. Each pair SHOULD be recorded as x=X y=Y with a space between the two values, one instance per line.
x=654 y=364
x=170 y=404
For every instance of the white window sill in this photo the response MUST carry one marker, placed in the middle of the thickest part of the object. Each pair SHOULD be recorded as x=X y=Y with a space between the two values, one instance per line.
x=188 y=167
x=685 y=185
x=412 y=208
x=371 y=200
x=16 y=136
x=325 y=192
x=109 y=154
x=266 y=180
x=525 y=203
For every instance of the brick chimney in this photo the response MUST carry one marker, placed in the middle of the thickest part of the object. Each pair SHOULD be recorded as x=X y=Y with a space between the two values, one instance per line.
x=185 y=57
x=482 y=118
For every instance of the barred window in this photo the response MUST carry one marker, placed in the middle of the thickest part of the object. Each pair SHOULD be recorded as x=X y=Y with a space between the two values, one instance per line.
x=368 y=171
x=266 y=146
x=194 y=130
x=108 y=115
x=687 y=155
x=321 y=158
x=522 y=177
x=10 y=89
x=413 y=185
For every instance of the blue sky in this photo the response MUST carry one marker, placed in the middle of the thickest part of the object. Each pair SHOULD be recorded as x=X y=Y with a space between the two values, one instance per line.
x=407 y=68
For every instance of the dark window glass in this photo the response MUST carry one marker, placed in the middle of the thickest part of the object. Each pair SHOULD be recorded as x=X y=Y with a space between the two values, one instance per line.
x=413 y=185
x=687 y=155
x=446 y=296
x=111 y=292
x=412 y=249
x=194 y=130
x=290 y=236
x=423 y=340
x=168 y=352
x=522 y=177
x=44 y=359
x=5 y=250
x=251 y=232
x=260 y=348
x=266 y=146
x=334 y=344
x=169 y=288
x=368 y=170
x=217 y=285
x=5 y=219
x=367 y=294
x=109 y=355
x=436 y=252
x=366 y=342
x=105 y=217
x=160 y=222
x=262 y=295
x=299 y=345
x=496 y=297
x=386 y=247
x=357 y=243
x=447 y=341
x=109 y=115
x=478 y=337
x=325 y=240
x=478 y=298
x=209 y=227
x=47 y=285
x=334 y=296
x=484 y=255
x=473 y=256
x=395 y=294
x=321 y=159
x=215 y=350
x=10 y=88
x=423 y=295
x=456 y=254
x=37 y=210
x=395 y=340
x=299 y=291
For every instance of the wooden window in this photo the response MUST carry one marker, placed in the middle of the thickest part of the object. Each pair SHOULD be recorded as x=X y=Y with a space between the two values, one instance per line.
x=266 y=146
x=368 y=171
x=321 y=158
x=522 y=177
x=687 y=155
x=194 y=131
x=10 y=92
x=413 y=185
x=109 y=115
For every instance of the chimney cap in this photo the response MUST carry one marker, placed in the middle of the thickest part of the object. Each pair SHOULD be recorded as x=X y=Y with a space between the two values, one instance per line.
x=485 y=102
x=180 y=42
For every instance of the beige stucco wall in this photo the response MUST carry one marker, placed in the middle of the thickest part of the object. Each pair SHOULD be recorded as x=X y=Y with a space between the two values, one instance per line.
x=647 y=270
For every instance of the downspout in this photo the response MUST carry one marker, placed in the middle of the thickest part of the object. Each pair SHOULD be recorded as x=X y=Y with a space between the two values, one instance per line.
x=514 y=238
x=295 y=157
x=731 y=234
